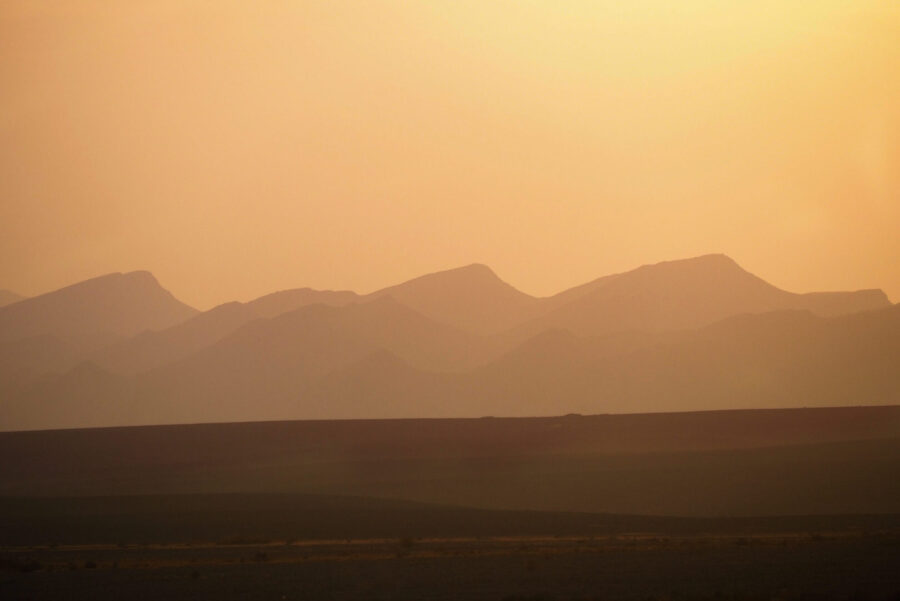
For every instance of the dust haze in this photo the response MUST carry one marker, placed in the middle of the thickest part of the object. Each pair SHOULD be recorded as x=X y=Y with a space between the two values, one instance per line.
x=450 y=300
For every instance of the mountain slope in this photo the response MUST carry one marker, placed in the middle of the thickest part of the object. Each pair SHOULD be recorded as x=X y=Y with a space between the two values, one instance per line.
x=471 y=298
x=26 y=361
x=782 y=359
x=95 y=312
x=271 y=367
x=154 y=349
x=653 y=298
x=714 y=463
x=380 y=358
x=278 y=303
x=8 y=297
x=371 y=360
x=680 y=294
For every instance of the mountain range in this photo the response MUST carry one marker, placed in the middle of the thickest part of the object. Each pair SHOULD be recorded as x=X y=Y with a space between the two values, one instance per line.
x=698 y=333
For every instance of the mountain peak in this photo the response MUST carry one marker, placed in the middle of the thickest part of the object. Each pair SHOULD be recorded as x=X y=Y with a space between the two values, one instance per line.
x=471 y=297
x=713 y=258
x=679 y=294
x=716 y=270
x=141 y=275
x=709 y=263
x=718 y=261
x=476 y=268
x=108 y=281
x=96 y=310
x=474 y=272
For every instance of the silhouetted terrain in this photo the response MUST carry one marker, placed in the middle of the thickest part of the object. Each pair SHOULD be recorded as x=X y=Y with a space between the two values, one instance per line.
x=472 y=298
x=777 y=462
x=850 y=560
x=156 y=348
x=371 y=360
x=95 y=311
x=803 y=503
x=695 y=334
x=770 y=360
x=394 y=300
x=8 y=297
x=682 y=294
x=53 y=332
x=235 y=519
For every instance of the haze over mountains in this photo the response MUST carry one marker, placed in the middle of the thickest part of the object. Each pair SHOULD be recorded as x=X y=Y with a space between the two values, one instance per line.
x=155 y=348
x=682 y=294
x=95 y=312
x=53 y=331
x=699 y=333
x=471 y=298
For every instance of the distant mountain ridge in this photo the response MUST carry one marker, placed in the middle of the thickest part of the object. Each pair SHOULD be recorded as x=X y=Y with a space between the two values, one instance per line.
x=681 y=294
x=157 y=348
x=96 y=311
x=698 y=333
x=472 y=298
x=782 y=359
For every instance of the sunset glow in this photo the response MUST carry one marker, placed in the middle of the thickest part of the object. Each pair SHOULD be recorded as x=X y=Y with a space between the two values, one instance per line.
x=234 y=149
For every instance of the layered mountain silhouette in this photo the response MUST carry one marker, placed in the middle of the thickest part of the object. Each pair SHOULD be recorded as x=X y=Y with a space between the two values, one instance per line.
x=157 y=348
x=785 y=359
x=54 y=331
x=274 y=362
x=681 y=294
x=780 y=359
x=790 y=359
x=8 y=297
x=264 y=366
x=694 y=334
x=96 y=311
x=472 y=298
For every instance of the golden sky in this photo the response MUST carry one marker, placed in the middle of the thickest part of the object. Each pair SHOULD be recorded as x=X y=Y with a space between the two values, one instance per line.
x=234 y=148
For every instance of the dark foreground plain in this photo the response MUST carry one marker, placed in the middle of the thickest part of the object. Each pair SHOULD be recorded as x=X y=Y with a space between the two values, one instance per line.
x=776 y=504
x=313 y=547
x=721 y=463
x=845 y=564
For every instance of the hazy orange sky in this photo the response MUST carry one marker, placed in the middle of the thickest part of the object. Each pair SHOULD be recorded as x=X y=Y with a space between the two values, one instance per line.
x=235 y=148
